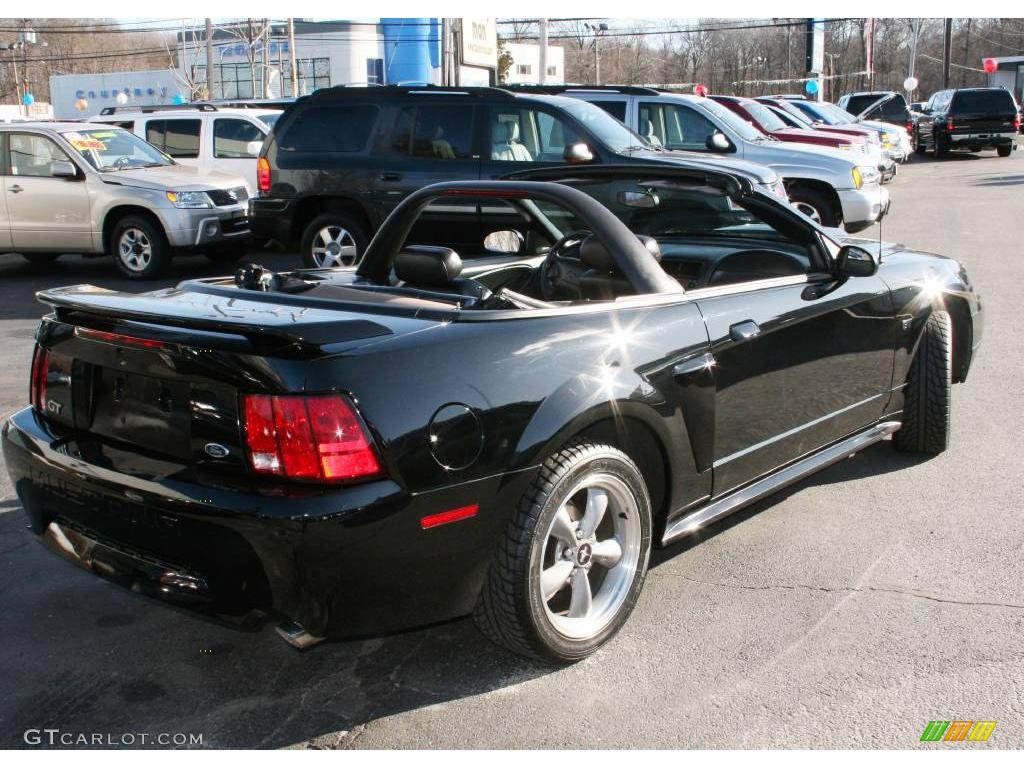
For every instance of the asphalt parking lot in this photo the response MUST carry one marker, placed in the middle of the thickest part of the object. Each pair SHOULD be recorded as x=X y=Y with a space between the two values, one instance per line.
x=846 y=611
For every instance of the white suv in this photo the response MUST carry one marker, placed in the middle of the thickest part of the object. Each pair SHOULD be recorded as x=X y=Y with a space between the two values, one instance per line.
x=201 y=135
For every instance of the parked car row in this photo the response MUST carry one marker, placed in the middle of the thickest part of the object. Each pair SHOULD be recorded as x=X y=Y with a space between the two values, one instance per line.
x=323 y=175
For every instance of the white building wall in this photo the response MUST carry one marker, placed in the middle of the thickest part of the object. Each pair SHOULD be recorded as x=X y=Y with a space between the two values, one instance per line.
x=526 y=63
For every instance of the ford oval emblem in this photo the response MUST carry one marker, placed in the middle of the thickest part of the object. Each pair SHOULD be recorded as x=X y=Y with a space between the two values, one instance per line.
x=216 y=450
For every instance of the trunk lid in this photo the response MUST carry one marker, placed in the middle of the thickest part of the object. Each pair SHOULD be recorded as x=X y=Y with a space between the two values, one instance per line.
x=160 y=374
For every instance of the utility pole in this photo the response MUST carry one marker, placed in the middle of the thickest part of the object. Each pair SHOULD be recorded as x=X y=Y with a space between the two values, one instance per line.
x=542 y=77
x=265 y=56
x=446 y=51
x=291 y=55
x=209 y=58
x=947 y=44
x=915 y=27
x=598 y=30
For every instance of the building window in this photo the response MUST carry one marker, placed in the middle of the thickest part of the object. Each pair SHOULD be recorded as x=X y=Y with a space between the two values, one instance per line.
x=375 y=71
x=241 y=81
x=524 y=69
x=552 y=70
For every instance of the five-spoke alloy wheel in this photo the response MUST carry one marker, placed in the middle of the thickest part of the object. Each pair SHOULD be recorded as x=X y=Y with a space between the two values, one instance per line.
x=572 y=564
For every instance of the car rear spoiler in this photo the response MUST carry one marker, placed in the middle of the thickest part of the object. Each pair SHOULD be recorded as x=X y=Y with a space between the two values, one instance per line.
x=265 y=320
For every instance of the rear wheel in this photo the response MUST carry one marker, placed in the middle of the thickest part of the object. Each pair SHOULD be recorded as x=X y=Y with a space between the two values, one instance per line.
x=333 y=240
x=139 y=248
x=941 y=146
x=572 y=563
x=928 y=394
x=1004 y=151
x=40 y=258
x=815 y=205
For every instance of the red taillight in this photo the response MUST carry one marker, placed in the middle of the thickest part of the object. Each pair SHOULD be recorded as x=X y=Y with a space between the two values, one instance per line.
x=37 y=387
x=119 y=339
x=950 y=125
x=910 y=126
x=263 y=175
x=318 y=437
x=1016 y=121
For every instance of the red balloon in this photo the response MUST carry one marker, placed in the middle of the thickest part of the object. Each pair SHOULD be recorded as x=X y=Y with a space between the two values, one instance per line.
x=990 y=65
x=700 y=89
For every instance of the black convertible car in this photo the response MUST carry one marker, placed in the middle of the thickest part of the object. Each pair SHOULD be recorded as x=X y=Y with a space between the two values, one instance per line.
x=631 y=354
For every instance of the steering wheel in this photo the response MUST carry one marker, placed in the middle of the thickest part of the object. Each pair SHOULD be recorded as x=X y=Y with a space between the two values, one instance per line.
x=558 y=271
x=753 y=264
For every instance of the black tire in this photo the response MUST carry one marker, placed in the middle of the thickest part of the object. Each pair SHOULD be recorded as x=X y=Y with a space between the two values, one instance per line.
x=227 y=254
x=928 y=394
x=941 y=146
x=40 y=258
x=1004 y=151
x=511 y=610
x=348 y=230
x=919 y=146
x=155 y=255
x=815 y=204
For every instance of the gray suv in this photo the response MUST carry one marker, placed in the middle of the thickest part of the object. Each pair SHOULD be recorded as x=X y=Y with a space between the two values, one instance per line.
x=96 y=189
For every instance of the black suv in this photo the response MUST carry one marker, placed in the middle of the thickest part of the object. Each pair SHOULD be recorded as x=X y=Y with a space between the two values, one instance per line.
x=339 y=161
x=968 y=118
x=889 y=107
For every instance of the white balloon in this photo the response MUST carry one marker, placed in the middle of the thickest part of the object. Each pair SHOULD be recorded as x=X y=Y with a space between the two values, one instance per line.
x=121 y=98
x=910 y=84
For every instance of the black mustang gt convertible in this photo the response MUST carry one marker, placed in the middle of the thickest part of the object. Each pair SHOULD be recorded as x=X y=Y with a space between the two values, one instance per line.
x=624 y=357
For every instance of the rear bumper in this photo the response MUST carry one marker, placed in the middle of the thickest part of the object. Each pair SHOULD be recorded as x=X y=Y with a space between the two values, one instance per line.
x=342 y=561
x=982 y=139
x=272 y=218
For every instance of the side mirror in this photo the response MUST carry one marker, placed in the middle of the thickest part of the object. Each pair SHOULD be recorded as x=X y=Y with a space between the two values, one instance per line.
x=63 y=169
x=717 y=142
x=253 y=148
x=504 y=241
x=577 y=153
x=853 y=261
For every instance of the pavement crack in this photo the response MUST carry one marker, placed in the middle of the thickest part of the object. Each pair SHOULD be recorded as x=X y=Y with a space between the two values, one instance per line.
x=847 y=590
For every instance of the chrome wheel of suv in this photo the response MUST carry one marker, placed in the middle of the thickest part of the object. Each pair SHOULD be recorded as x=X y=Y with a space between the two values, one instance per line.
x=135 y=249
x=334 y=246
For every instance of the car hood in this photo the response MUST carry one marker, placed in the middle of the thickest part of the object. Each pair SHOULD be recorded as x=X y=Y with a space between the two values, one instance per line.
x=762 y=174
x=180 y=178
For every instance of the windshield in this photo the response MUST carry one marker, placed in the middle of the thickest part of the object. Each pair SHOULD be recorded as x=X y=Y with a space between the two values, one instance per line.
x=731 y=119
x=114 y=149
x=608 y=130
x=829 y=114
x=768 y=120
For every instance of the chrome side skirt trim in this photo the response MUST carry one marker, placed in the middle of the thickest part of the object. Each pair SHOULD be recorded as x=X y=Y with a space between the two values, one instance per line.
x=719 y=508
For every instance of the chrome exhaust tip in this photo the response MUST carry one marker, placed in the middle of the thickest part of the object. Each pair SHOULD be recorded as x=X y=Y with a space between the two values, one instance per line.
x=297 y=636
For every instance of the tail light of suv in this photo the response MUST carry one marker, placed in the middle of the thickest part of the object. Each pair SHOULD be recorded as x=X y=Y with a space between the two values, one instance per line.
x=308 y=437
x=263 y=176
x=950 y=125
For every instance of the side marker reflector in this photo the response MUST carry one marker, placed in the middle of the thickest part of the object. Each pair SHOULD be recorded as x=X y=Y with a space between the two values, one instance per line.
x=451 y=516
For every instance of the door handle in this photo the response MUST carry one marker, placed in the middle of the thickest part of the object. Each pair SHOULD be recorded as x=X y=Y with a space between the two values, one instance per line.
x=390 y=176
x=15 y=189
x=744 y=331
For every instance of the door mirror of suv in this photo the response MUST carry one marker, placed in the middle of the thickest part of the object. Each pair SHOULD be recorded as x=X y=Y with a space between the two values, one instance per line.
x=504 y=241
x=253 y=148
x=62 y=169
x=856 y=262
x=717 y=142
x=578 y=153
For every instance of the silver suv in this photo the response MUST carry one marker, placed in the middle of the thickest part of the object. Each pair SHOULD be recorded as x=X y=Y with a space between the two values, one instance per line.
x=96 y=189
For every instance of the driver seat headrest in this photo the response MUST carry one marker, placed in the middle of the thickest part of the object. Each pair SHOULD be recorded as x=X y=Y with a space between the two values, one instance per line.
x=429 y=265
x=596 y=256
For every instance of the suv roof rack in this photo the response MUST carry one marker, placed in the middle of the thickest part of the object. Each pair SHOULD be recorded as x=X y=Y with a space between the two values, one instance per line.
x=629 y=90
x=201 y=107
x=385 y=90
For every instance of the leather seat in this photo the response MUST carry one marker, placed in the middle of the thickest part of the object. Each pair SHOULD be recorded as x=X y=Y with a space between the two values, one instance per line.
x=603 y=281
x=511 y=148
x=434 y=269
